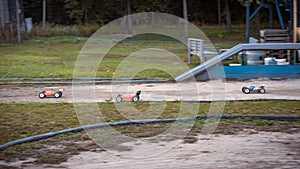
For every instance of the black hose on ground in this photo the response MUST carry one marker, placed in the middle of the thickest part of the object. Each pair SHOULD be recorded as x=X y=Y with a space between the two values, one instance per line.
x=74 y=81
x=51 y=134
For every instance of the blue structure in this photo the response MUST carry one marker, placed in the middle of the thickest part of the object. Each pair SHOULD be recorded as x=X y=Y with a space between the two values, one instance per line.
x=269 y=5
x=251 y=52
x=251 y=72
x=210 y=70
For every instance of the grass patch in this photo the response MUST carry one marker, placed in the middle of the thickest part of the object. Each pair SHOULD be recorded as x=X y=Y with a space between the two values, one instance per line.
x=219 y=36
x=56 y=56
x=291 y=108
x=43 y=57
x=24 y=120
x=64 y=30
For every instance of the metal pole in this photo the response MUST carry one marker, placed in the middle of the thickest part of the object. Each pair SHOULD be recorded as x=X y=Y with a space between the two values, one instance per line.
x=295 y=21
x=271 y=16
x=256 y=11
x=279 y=14
x=18 y=20
x=248 y=20
x=44 y=13
x=291 y=26
x=189 y=52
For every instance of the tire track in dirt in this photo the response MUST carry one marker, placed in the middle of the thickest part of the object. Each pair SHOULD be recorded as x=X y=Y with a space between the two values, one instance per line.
x=275 y=89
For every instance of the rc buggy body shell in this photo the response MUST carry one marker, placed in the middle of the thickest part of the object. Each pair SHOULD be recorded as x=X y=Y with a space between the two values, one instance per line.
x=51 y=92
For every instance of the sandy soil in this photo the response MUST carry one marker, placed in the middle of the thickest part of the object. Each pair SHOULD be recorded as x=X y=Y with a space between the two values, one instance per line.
x=246 y=149
x=200 y=91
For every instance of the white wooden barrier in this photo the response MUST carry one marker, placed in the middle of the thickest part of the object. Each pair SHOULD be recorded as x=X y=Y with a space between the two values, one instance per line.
x=198 y=48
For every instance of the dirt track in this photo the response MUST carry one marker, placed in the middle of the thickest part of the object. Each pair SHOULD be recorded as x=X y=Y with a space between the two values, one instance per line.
x=276 y=89
x=244 y=150
x=247 y=149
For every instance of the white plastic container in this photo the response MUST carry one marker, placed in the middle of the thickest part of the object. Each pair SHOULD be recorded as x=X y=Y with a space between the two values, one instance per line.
x=280 y=60
x=28 y=22
x=255 y=57
x=283 y=63
x=270 y=61
x=235 y=64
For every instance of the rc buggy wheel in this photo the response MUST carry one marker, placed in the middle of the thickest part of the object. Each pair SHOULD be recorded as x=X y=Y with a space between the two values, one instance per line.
x=246 y=90
x=42 y=95
x=57 y=95
x=119 y=99
x=135 y=99
x=262 y=90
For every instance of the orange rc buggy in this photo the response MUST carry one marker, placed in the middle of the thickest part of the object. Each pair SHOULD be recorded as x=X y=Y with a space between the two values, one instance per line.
x=51 y=92
x=129 y=97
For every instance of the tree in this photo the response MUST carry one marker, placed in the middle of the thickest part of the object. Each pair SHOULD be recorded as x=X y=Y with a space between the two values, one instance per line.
x=75 y=10
x=126 y=24
x=44 y=13
x=185 y=15
x=257 y=23
x=105 y=11
x=219 y=13
x=228 y=17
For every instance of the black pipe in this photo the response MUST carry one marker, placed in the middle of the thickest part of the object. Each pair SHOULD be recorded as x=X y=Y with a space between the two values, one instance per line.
x=51 y=134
